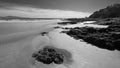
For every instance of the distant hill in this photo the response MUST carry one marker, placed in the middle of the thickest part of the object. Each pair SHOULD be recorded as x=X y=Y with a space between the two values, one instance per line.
x=23 y=18
x=111 y=11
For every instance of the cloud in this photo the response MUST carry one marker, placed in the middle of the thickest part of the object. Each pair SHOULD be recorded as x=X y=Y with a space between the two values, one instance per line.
x=27 y=11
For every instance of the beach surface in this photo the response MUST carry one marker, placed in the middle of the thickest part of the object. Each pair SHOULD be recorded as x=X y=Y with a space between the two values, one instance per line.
x=18 y=41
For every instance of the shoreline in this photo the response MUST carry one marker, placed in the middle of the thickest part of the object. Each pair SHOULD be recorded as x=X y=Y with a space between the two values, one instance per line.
x=96 y=34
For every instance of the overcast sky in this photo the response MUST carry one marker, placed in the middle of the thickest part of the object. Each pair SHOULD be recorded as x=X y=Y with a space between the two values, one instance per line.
x=52 y=8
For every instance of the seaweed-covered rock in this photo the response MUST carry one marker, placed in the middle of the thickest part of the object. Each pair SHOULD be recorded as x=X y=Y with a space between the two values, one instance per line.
x=104 y=38
x=59 y=58
x=49 y=55
x=43 y=56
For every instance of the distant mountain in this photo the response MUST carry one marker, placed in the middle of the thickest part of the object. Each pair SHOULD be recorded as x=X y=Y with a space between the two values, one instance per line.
x=111 y=11
x=23 y=18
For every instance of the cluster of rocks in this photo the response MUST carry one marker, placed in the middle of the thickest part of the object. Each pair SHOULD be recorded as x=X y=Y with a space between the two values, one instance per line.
x=48 y=55
x=105 y=38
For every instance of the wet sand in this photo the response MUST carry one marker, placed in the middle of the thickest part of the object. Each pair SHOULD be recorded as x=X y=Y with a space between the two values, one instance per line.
x=85 y=55
x=18 y=42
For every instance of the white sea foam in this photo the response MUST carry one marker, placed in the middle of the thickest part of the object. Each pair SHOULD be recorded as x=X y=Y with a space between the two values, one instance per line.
x=83 y=24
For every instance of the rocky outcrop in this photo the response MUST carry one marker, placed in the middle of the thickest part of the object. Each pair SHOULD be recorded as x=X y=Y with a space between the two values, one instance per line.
x=50 y=55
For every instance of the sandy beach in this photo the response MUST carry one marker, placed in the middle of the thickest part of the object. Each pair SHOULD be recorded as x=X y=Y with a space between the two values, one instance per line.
x=17 y=45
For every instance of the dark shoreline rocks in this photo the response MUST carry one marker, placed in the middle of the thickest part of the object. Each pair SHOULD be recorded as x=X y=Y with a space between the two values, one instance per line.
x=44 y=33
x=66 y=23
x=105 y=38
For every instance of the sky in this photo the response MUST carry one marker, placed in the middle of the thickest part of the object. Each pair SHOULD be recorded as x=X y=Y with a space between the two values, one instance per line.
x=52 y=8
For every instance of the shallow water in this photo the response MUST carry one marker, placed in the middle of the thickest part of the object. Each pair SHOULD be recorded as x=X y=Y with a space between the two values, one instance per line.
x=8 y=27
